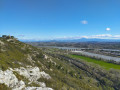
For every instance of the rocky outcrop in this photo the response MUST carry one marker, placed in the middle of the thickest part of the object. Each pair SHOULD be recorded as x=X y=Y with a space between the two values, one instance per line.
x=8 y=78
x=1 y=43
x=31 y=73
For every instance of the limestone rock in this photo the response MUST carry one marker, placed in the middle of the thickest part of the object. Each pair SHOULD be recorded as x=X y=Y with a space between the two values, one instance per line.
x=8 y=78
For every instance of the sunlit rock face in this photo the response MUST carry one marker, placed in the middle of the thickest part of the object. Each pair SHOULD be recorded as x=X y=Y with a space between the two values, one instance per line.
x=1 y=43
x=8 y=78
x=31 y=73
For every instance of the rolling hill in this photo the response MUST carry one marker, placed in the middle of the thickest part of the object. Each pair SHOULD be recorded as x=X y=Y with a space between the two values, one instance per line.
x=25 y=67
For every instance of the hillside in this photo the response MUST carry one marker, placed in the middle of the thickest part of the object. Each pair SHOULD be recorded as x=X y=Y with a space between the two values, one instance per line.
x=25 y=67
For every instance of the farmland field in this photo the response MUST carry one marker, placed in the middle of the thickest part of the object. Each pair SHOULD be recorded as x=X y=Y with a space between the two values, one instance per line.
x=104 y=64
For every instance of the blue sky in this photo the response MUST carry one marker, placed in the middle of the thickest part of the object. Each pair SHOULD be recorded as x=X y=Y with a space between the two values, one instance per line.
x=54 y=19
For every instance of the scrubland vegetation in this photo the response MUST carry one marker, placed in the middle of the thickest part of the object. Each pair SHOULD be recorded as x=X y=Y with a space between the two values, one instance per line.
x=68 y=72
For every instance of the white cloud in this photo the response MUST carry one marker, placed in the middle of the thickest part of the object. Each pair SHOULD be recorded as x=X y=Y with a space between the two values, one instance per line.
x=108 y=29
x=102 y=35
x=117 y=36
x=99 y=36
x=84 y=22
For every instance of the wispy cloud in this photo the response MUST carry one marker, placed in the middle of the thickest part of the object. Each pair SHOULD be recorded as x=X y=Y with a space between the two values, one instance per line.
x=100 y=36
x=84 y=22
x=108 y=29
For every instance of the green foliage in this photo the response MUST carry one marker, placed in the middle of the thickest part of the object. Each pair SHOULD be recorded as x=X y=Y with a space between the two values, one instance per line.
x=15 y=54
x=66 y=76
x=33 y=85
x=4 y=87
x=104 y=64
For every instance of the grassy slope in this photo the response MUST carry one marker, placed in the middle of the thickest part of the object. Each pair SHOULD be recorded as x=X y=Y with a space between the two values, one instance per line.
x=99 y=62
x=63 y=75
x=13 y=55
x=66 y=77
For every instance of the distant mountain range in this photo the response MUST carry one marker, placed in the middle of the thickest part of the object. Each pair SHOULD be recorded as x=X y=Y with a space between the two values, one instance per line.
x=75 y=40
